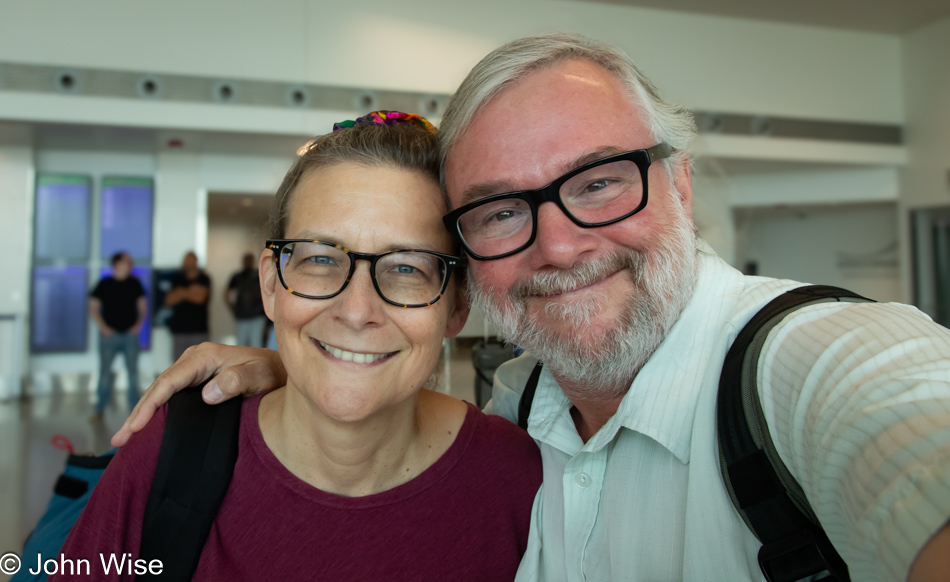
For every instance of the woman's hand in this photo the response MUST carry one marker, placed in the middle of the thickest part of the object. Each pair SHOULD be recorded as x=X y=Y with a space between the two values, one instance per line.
x=232 y=370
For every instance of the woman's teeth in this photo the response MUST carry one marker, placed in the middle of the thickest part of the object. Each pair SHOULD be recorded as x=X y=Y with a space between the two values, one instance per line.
x=352 y=356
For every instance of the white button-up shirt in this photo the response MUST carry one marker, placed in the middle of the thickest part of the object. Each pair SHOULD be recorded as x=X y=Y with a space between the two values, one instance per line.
x=857 y=400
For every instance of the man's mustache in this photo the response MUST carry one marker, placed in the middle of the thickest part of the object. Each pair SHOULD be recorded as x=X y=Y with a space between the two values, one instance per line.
x=582 y=275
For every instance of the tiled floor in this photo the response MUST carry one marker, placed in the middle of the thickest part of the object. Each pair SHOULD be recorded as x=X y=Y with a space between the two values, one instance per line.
x=29 y=464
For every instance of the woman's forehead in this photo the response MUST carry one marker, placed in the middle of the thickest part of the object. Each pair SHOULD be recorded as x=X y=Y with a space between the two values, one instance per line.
x=352 y=203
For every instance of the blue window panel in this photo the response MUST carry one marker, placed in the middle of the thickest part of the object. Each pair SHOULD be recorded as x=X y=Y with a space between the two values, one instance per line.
x=127 y=208
x=58 y=316
x=62 y=218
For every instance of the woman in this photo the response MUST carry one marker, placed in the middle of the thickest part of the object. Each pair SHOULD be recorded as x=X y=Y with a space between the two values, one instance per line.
x=353 y=470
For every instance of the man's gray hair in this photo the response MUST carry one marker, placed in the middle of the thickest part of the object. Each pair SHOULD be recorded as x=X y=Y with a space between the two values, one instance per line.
x=510 y=63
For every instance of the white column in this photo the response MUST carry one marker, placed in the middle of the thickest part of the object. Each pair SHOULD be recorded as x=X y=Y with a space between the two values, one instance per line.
x=16 y=240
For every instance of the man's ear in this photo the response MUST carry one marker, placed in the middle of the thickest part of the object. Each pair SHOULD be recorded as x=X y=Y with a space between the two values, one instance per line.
x=460 y=308
x=683 y=182
x=270 y=286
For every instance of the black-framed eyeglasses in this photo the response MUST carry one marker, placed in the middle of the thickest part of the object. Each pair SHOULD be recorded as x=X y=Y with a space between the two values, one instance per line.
x=320 y=270
x=602 y=192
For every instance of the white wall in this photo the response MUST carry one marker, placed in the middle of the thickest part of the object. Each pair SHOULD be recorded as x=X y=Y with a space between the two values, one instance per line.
x=815 y=185
x=712 y=207
x=927 y=84
x=16 y=218
x=183 y=179
x=818 y=244
x=177 y=207
x=926 y=179
x=720 y=186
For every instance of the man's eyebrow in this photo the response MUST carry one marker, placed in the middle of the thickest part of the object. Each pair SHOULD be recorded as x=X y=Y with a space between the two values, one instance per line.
x=591 y=156
x=479 y=191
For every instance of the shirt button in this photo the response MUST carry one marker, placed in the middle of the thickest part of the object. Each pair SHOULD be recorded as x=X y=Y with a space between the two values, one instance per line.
x=582 y=480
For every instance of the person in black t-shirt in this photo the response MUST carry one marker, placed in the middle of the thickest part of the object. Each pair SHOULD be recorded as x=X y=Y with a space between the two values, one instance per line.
x=243 y=296
x=188 y=298
x=118 y=307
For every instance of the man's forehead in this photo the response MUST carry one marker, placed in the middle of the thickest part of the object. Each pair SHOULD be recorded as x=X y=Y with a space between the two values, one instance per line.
x=548 y=123
x=476 y=191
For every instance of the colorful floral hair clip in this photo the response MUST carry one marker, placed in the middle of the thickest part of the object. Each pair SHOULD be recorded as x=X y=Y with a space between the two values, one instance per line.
x=387 y=118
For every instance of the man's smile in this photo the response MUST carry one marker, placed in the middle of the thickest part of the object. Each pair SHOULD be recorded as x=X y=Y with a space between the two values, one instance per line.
x=569 y=291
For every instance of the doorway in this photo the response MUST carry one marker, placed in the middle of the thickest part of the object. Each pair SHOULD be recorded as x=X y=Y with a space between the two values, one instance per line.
x=237 y=224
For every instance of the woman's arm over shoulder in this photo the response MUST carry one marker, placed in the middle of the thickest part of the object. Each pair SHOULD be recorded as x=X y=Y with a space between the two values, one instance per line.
x=225 y=371
x=110 y=526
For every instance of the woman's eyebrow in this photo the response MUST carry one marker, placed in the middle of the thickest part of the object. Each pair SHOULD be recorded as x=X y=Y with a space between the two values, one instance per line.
x=412 y=245
x=313 y=235
x=405 y=244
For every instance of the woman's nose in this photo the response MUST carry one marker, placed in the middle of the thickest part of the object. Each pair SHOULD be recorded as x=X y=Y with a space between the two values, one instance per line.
x=360 y=305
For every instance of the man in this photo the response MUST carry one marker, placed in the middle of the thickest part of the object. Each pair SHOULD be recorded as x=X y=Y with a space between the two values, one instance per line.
x=632 y=316
x=243 y=298
x=118 y=307
x=188 y=298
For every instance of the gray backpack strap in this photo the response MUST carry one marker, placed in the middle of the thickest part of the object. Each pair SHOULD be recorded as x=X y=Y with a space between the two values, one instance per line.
x=767 y=496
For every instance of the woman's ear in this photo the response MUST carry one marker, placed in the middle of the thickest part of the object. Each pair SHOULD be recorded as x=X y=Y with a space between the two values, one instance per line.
x=460 y=308
x=267 y=271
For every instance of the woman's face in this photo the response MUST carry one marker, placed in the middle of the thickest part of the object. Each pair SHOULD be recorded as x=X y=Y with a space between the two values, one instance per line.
x=368 y=210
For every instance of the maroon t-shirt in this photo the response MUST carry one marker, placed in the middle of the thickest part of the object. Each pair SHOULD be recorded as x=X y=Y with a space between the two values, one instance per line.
x=464 y=518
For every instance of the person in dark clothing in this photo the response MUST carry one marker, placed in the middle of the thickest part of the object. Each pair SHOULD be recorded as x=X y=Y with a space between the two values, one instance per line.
x=188 y=298
x=243 y=296
x=118 y=306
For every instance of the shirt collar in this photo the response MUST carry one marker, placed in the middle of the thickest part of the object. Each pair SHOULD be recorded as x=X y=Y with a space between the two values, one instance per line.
x=661 y=402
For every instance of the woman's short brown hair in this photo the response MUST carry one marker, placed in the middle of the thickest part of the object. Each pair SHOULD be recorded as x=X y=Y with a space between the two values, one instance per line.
x=402 y=146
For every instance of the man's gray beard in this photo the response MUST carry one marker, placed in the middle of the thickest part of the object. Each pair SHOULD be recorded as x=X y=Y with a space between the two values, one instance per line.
x=663 y=277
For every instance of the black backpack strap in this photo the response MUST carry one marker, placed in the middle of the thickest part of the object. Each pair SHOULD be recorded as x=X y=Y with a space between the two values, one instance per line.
x=770 y=501
x=199 y=449
x=527 y=397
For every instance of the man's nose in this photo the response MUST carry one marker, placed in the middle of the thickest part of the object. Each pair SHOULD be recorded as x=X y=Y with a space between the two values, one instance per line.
x=558 y=241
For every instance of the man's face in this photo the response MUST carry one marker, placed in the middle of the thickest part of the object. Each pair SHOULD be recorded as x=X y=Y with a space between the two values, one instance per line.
x=576 y=287
x=122 y=268
x=190 y=262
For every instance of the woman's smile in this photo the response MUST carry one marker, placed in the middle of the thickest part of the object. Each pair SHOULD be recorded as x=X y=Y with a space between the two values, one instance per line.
x=352 y=356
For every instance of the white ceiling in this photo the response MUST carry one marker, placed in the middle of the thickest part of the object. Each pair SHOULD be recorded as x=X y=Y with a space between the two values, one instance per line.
x=888 y=16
